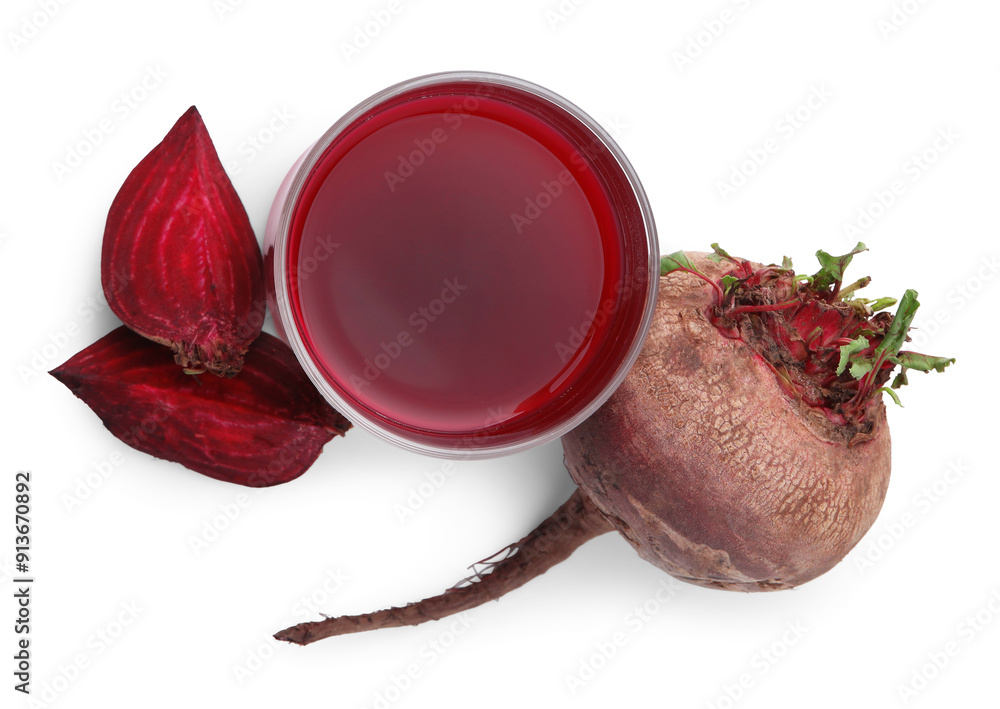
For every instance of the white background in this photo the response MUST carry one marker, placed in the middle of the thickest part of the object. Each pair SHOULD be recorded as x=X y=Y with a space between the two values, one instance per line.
x=197 y=634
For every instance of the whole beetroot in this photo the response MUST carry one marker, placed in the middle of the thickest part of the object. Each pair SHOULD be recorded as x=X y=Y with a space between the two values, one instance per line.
x=748 y=448
x=711 y=471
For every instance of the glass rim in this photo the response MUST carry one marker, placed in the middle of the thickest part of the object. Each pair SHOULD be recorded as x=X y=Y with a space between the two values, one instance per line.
x=282 y=232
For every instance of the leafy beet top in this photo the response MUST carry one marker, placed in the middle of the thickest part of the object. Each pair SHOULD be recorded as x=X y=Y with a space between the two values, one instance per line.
x=829 y=348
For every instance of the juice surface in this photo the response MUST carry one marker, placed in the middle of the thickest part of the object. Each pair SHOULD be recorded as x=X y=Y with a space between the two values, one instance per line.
x=454 y=264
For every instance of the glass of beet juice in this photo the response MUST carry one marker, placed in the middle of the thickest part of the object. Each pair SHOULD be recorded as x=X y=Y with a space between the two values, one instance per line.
x=465 y=264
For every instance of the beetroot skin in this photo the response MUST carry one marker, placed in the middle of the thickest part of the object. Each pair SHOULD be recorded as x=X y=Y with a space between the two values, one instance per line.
x=747 y=449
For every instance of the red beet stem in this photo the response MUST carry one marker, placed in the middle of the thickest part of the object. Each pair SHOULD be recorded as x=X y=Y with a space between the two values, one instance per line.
x=574 y=523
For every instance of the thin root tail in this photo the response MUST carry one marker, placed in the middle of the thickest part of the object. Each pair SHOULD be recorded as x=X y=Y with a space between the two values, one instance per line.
x=574 y=523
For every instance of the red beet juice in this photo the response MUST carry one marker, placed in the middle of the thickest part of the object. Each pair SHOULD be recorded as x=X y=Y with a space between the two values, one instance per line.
x=464 y=266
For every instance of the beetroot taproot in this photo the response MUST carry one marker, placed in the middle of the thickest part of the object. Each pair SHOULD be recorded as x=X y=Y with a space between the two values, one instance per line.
x=747 y=449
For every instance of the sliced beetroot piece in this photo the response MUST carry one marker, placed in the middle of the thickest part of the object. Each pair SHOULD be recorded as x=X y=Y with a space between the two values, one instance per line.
x=180 y=263
x=263 y=427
